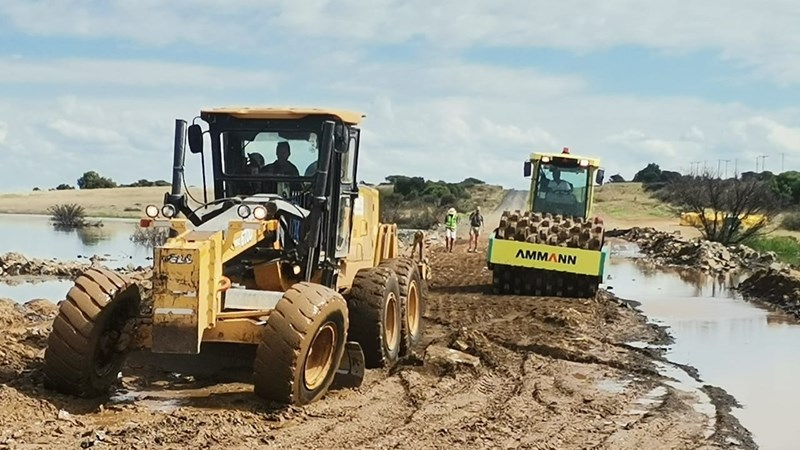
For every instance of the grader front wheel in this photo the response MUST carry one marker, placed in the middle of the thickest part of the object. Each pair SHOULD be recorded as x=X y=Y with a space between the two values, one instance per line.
x=91 y=334
x=302 y=345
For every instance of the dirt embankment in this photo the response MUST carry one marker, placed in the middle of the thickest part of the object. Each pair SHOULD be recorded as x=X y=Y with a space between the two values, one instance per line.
x=777 y=288
x=672 y=249
x=494 y=371
x=768 y=281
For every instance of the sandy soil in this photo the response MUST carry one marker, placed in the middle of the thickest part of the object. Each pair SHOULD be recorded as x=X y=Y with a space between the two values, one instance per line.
x=553 y=374
x=119 y=202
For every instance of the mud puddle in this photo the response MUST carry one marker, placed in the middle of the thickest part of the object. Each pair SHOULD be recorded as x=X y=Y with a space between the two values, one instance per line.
x=745 y=349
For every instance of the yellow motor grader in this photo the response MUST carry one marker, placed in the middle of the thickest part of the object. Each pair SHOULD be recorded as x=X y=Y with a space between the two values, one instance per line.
x=289 y=257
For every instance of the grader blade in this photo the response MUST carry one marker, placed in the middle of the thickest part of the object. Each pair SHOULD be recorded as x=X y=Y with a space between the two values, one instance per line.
x=350 y=373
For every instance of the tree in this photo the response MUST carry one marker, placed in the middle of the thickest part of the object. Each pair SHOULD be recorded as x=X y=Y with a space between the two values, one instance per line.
x=405 y=185
x=650 y=174
x=93 y=180
x=722 y=204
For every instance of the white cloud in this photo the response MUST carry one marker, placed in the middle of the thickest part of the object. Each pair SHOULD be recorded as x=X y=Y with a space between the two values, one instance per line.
x=469 y=130
x=780 y=135
x=144 y=73
x=752 y=33
x=437 y=116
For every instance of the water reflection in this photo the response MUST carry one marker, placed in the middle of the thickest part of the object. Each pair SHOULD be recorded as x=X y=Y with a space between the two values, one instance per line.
x=35 y=237
x=745 y=349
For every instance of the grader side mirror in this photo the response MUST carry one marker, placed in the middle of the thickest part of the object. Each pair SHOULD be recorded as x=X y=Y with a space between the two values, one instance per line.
x=341 y=138
x=599 y=177
x=195 y=138
x=526 y=169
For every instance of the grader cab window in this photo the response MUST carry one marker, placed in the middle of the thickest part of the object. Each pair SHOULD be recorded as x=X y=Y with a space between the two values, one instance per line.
x=561 y=190
x=270 y=157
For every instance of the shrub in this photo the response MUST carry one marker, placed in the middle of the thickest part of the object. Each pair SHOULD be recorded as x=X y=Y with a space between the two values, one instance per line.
x=791 y=222
x=67 y=216
x=149 y=237
x=64 y=187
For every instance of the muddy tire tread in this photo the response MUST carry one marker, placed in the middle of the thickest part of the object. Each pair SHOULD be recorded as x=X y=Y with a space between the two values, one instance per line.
x=278 y=365
x=366 y=304
x=70 y=348
x=408 y=272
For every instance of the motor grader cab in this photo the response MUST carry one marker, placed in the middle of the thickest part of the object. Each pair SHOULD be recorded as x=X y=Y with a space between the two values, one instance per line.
x=555 y=247
x=289 y=257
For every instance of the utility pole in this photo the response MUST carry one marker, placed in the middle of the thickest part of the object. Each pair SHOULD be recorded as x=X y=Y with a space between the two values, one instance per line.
x=736 y=168
x=719 y=167
x=783 y=155
x=763 y=162
x=726 y=167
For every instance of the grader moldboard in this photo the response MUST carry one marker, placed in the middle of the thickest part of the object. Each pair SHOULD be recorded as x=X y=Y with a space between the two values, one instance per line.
x=555 y=248
x=294 y=262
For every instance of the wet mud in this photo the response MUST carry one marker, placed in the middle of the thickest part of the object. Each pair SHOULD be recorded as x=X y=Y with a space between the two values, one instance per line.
x=493 y=372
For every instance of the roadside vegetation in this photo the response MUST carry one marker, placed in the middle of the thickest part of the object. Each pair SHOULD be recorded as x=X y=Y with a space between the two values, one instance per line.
x=414 y=202
x=786 y=248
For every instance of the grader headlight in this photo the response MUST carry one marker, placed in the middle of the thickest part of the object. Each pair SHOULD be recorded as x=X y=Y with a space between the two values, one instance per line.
x=260 y=212
x=151 y=211
x=169 y=211
x=243 y=211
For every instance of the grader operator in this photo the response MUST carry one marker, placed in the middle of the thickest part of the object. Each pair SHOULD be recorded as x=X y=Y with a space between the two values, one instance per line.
x=290 y=258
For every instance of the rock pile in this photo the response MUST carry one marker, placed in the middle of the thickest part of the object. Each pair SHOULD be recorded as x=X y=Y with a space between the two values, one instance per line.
x=14 y=264
x=676 y=250
x=777 y=288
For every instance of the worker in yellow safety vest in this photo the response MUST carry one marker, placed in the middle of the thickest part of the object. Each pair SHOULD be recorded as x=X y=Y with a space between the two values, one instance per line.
x=450 y=225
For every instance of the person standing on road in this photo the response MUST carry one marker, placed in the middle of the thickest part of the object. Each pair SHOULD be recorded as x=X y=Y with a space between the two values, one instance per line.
x=450 y=225
x=475 y=227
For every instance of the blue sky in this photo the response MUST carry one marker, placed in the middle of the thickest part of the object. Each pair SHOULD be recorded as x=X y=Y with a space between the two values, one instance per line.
x=450 y=91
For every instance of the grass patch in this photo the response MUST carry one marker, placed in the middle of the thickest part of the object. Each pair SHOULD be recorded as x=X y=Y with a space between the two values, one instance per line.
x=629 y=201
x=787 y=248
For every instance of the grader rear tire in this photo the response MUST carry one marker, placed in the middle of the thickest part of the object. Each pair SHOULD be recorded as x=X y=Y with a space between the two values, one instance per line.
x=91 y=334
x=412 y=301
x=301 y=345
x=375 y=315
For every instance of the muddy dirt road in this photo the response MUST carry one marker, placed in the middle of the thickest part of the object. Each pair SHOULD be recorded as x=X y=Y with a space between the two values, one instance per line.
x=534 y=373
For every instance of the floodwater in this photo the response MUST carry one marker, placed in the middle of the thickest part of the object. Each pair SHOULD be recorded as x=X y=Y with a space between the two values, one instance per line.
x=738 y=346
x=35 y=237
